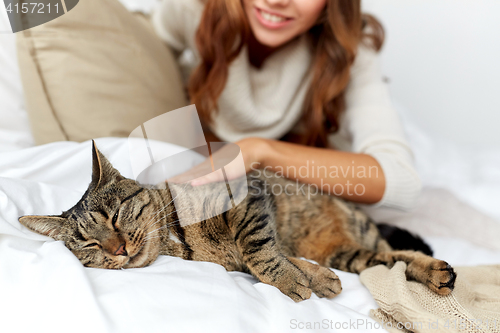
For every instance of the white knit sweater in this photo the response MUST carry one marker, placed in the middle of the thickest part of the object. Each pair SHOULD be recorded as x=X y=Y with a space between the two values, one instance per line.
x=267 y=102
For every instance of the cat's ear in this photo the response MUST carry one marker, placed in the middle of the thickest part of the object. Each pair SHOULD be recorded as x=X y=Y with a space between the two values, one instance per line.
x=45 y=225
x=102 y=170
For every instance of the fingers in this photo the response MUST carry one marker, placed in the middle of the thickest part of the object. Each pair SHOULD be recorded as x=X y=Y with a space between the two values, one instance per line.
x=199 y=175
x=196 y=172
x=213 y=177
x=225 y=158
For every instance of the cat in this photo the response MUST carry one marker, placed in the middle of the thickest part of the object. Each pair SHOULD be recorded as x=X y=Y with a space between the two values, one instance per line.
x=265 y=235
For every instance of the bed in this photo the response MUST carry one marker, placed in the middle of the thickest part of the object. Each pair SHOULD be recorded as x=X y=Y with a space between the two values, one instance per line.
x=44 y=288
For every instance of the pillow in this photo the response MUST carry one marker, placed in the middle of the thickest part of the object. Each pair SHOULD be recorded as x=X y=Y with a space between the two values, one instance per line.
x=143 y=6
x=96 y=71
x=15 y=132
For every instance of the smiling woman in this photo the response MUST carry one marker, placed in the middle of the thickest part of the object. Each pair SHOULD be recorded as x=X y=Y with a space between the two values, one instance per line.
x=295 y=83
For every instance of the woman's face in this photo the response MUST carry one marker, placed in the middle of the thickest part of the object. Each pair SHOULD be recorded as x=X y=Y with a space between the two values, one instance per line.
x=276 y=22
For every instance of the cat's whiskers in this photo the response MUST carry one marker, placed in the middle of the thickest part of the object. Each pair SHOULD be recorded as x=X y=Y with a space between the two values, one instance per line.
x=151 y=239
x=175 y=211
x=167 y=205
x=162 y=227
x=147 y=224
x=159 y=228
x=169 y=224
x=148 y=237
x=152 y=223
x=165 y=226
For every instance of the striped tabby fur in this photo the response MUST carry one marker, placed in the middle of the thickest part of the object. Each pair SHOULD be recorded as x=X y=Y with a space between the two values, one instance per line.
x=118 y=224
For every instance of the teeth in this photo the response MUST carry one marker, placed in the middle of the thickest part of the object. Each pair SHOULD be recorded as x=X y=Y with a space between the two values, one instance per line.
x=272 y=18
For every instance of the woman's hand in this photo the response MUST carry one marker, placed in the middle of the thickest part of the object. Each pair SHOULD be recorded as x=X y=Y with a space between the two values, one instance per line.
x=253 y=151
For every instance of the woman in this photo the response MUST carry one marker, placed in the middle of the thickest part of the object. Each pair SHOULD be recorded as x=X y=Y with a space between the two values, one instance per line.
x=271 y=71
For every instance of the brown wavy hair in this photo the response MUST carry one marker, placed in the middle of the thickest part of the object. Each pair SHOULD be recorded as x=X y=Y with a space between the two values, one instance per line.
x=224 y=30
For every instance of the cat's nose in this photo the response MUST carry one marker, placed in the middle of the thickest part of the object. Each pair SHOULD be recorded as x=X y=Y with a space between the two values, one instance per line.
x=121 y=251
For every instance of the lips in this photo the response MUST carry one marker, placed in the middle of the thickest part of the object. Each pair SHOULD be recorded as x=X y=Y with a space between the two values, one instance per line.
x=271 y=20
x=271 y=17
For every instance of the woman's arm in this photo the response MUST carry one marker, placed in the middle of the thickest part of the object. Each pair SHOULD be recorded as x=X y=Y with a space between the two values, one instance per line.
x=355 y=177
x=373 y=127
x=352 y=176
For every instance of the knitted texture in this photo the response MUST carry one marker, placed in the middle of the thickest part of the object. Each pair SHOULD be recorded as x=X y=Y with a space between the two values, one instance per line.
x=408 y=306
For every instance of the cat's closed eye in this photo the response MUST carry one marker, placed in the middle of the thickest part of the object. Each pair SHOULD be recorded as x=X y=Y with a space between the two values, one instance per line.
x=115 y=219
x=91 y=245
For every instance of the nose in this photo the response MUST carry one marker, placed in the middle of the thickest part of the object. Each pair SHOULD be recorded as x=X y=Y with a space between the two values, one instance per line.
x=121 y=251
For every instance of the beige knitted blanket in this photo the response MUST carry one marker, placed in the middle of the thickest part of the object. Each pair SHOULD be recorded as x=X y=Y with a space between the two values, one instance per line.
x=408 y=306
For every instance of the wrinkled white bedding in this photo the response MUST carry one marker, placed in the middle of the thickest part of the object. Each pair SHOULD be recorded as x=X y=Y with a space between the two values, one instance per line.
x=43 y=287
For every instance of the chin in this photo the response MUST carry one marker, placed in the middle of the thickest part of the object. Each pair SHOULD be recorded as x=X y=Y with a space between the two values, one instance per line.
x=271 y=40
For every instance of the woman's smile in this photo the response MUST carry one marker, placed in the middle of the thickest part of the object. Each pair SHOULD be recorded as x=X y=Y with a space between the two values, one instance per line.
x=271 y=20
x=275 y=23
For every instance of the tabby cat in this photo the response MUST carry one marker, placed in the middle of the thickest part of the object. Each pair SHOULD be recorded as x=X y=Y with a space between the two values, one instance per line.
x=265 y=235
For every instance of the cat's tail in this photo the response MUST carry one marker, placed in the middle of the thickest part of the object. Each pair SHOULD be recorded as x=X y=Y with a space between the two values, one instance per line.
x=400 y=239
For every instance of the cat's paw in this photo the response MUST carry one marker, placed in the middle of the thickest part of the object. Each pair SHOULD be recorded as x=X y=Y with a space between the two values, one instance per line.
x=294 y=284
x=441 y=277
x=325 y=283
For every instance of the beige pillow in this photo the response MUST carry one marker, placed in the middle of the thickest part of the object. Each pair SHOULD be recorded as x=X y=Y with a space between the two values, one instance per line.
x=96 y=71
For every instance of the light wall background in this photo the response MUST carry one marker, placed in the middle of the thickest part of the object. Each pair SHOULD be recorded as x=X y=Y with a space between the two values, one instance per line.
x=442 y=58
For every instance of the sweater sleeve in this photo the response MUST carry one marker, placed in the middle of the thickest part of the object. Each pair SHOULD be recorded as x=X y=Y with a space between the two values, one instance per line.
x=375 y=129
x=175 y=22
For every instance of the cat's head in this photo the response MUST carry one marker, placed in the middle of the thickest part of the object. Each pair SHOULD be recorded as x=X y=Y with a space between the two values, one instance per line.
x=111 y=226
